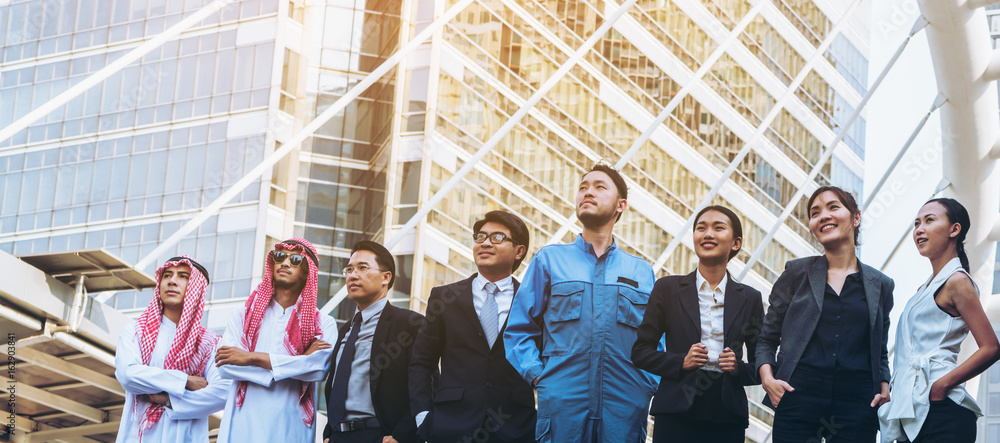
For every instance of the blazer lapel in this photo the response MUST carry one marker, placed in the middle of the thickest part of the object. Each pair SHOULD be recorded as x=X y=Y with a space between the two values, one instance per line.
x=733 y=306
x=817 y=279
x=689 y=300
x=503 y=327
x=467 y=306
x=872 y=293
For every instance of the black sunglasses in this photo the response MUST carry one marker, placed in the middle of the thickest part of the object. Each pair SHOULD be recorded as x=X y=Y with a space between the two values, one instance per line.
x=293 y=259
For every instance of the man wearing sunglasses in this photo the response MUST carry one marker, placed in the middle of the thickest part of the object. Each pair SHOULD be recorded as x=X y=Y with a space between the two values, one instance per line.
x=367 y=397
x=164 y=361
x=275 y=349
x=574 y=321
x=480 y=397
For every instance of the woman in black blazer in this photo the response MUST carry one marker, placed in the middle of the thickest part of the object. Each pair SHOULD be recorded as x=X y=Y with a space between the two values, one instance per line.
x=707 y=318
x=830 y=316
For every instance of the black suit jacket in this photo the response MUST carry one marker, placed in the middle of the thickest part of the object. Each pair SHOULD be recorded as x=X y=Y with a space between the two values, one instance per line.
x=795 y=305
x=674 y=310
x=391 y=349
x=476 y=382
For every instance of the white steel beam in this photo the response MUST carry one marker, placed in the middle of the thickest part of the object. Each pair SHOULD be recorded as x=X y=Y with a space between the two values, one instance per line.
x=455 y=179
x=961 y=50
x=109 y=70
x=794 y=201
x=761 y=129
x=672 y=105
x=306 y=132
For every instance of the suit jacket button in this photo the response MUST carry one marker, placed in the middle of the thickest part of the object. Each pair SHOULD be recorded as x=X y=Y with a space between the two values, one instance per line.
x=489 y=384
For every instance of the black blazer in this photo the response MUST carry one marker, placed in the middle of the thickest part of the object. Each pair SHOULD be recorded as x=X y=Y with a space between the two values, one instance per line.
x=477 y=383
x=796 y=302
x=673 y=310
x=393 y=342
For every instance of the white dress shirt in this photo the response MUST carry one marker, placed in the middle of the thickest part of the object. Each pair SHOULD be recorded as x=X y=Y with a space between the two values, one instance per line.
x=359 y=403
x=505 y=296
x=711 y=303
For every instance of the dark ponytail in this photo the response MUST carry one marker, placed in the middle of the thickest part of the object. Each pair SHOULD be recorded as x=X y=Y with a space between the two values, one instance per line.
x=957 y=214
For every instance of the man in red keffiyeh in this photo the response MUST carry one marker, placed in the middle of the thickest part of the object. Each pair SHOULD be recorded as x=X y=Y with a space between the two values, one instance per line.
x=275 y=349
x=163 y=361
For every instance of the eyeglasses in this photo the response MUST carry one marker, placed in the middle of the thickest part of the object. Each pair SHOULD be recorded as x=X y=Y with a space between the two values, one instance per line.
x=293 y=259
x=496 y=238
x=360 y=269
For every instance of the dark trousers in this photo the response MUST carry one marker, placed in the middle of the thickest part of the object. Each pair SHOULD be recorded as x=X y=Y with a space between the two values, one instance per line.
x=709 y=419
x=826 y=404
x=365 y=436
x=948 y=422
x=670 y=428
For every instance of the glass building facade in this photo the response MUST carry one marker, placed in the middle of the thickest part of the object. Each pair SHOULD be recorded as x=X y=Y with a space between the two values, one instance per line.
x=125 y=164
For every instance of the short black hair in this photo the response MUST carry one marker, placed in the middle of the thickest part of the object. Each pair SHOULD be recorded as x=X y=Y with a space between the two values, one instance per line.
x=734 y=222
x=382 y=256
x=518 y=230
x=616 y=178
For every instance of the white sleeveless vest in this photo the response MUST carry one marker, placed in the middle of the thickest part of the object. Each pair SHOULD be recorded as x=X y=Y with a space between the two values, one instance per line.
x=927 y=346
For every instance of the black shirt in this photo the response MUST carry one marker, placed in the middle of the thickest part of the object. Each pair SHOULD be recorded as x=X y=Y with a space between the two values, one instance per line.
x=842 y=339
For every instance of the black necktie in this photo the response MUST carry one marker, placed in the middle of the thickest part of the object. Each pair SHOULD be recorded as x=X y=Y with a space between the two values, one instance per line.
x=338 y=394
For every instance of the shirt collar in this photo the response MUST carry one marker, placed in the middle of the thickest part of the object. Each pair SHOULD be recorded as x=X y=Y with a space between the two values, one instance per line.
x=701 y=281
x=164 y=321
x=589 y=247
x=479 y=283
x=373 y=309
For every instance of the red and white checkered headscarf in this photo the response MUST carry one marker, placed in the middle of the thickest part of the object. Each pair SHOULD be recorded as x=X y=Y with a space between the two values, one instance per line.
x=303 y=323
x=193 y=345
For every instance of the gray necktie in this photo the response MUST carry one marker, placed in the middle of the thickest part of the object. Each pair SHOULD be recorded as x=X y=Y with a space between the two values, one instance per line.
x=489 y=315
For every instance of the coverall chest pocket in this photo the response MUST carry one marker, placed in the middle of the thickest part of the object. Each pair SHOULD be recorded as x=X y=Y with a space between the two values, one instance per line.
x=566 y=301
x=631 y=306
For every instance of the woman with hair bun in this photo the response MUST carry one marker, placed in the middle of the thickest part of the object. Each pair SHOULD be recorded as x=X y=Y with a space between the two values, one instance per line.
x=930 y=403
x=706 y=318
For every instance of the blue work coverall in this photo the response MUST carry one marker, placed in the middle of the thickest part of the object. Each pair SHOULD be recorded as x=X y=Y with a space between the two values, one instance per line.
x=583 y=311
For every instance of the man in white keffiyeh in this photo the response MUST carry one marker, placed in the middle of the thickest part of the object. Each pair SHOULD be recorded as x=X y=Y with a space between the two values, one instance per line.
x=275 y=349
x=163 y=361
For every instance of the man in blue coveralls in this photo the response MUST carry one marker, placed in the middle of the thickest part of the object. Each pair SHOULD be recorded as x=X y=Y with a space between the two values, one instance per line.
x=574 y=320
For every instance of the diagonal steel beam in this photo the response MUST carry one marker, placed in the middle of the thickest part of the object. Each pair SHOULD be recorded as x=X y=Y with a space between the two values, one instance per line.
x=759 y=132
x=673 y=103
x=109 y=70
x=455 y=179
x=920 y=23
x=299 y=137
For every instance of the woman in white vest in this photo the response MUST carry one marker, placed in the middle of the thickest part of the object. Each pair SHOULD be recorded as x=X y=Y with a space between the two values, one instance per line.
x=929 y=400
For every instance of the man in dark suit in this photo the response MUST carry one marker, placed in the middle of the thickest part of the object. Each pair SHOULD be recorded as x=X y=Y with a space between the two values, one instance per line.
x=480 y=396
x=366 y=393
